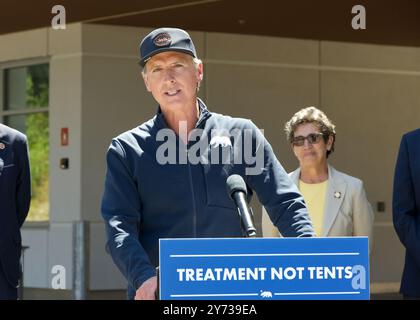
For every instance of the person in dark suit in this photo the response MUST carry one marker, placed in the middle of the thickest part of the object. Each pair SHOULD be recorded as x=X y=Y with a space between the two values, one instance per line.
x=15 y=195
x=406 y=211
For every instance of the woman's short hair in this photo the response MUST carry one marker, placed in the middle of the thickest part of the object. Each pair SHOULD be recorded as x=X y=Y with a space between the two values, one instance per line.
x=315 y=116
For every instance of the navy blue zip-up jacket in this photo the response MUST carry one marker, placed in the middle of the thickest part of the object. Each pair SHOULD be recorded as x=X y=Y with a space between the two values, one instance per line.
x=145 y=200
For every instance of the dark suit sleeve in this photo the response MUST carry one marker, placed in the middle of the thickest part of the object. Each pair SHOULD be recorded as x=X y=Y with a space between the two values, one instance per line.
x=121 y=210
x=277 y=192
x=405 y=213
x=23 y=186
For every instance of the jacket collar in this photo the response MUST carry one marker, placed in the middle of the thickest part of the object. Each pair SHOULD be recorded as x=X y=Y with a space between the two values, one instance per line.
x=204 y=115
x=334 y=196
x=336 y=191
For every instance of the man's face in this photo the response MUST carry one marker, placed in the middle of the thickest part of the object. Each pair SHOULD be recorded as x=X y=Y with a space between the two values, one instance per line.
x=172 y=78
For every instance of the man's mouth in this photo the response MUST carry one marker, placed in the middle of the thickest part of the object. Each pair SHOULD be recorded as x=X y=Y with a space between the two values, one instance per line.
x=172 y=92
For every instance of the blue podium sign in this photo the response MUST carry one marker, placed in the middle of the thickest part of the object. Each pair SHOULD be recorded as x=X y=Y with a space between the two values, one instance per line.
x=264 y=268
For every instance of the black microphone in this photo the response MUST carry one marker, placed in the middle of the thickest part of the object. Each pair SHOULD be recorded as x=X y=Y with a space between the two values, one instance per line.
x=236 y=188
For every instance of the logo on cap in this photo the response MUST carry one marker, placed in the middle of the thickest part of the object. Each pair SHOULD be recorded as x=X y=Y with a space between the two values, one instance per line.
x=162 y=39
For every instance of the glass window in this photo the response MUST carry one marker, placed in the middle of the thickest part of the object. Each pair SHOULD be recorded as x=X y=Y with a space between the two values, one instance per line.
x=25 y=108
x=26 y=87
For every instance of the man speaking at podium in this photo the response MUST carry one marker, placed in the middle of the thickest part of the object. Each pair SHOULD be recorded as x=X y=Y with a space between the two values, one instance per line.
x=167 y=177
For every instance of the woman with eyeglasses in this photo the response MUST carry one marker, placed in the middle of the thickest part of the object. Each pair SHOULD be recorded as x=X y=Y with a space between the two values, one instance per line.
x=336 y=202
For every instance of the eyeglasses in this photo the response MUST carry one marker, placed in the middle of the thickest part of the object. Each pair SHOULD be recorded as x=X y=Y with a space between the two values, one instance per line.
x=312 y=139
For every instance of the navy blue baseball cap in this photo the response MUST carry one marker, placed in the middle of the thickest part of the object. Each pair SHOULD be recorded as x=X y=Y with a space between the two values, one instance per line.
x=165 y=39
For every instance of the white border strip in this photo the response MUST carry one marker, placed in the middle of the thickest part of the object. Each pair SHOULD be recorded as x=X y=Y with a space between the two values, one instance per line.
x=256 y=294
x=263 y=255
x=214 y=295
x=314 y=293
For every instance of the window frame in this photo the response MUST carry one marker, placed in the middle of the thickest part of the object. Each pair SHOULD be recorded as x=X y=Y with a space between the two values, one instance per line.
x=19 y=64
x=25 y=111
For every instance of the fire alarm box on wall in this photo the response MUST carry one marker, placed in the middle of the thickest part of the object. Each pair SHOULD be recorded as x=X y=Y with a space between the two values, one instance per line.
x=64 y=136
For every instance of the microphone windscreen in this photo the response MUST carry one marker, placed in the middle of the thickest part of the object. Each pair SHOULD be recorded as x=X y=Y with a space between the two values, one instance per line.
x=235 y=183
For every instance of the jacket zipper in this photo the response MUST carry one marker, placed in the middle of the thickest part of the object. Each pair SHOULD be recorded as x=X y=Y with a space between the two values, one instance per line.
x=193 y=199
x=199 y=122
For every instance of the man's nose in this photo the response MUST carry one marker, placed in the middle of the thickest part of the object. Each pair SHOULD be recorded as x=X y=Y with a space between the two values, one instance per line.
x=169 y=75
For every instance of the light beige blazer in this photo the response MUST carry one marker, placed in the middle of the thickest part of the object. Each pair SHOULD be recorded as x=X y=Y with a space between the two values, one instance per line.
x=347 y=210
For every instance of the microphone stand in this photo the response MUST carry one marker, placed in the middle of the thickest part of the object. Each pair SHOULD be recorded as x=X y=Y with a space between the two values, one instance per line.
x=158 y=280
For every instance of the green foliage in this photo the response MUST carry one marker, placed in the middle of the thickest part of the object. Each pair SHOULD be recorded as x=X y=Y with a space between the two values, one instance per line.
x=37 y=131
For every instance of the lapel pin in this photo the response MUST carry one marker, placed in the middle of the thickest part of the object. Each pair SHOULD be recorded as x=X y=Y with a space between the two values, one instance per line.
x=2 y=146
x=337 y=194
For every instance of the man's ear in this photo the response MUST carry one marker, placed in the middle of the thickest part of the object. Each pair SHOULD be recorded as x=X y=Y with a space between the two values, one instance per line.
x=200 y=72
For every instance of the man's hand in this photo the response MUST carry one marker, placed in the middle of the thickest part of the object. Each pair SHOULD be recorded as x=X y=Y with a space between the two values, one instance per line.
x=147 y=290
